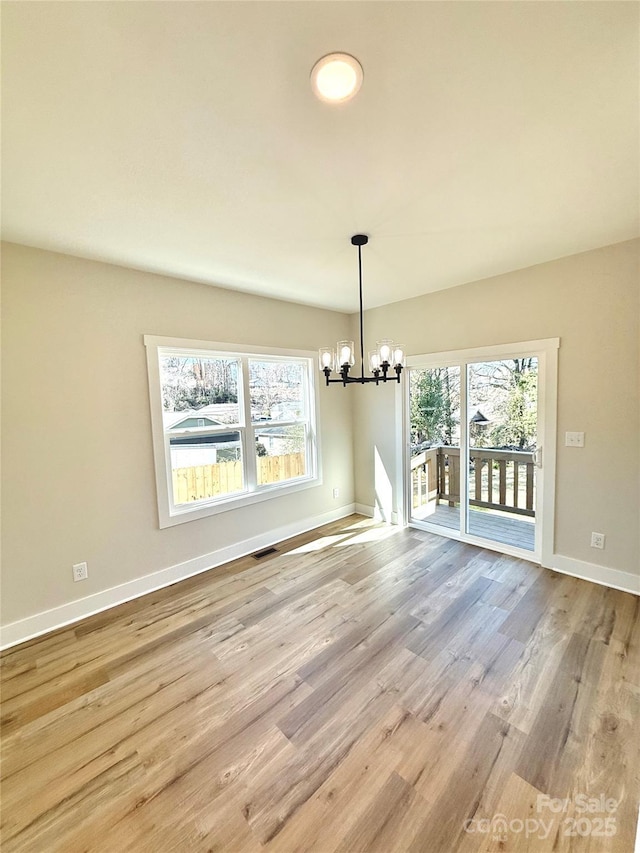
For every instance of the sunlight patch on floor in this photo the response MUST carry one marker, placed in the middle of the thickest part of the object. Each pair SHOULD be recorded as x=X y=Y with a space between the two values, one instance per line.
x=376 y=534
x=319 y=544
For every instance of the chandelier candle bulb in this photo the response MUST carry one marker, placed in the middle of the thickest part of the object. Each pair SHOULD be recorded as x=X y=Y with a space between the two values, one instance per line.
x=398 y=355
x=346 y=355
x=374 y=361
x=327 y=358
x=385 y=348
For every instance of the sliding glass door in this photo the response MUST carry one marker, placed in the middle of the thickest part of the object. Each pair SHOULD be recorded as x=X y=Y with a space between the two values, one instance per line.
x=475 y=423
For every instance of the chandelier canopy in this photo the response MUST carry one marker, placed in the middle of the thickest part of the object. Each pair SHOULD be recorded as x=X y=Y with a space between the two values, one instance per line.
x=386 y=357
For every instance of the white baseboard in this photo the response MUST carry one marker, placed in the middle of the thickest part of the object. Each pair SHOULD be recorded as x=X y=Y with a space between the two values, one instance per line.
x=364 y=509
x=49 y=620
x=375 y=513
x=614 y=578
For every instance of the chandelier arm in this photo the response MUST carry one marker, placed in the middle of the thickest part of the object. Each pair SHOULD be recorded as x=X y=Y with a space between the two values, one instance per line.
x=362 y=380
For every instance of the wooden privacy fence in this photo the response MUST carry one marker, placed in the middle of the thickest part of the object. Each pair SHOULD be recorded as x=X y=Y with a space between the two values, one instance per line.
x=223 y=478
x=499 y=479
x=272 y=469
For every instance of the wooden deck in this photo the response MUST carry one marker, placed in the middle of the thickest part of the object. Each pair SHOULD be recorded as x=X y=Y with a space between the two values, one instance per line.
x=499 y=527
x=364 y=689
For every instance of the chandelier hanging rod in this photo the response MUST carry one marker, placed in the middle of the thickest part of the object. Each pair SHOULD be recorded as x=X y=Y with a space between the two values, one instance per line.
x=386 y=356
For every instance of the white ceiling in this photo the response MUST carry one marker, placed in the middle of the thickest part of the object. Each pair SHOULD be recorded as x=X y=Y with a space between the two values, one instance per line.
x=183 y=137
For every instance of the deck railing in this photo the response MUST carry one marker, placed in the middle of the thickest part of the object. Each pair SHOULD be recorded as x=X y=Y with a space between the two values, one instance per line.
x=498 y=479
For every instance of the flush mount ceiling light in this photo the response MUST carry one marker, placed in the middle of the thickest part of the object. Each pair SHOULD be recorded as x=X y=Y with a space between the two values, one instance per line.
x=387 y=355
x=336 y=77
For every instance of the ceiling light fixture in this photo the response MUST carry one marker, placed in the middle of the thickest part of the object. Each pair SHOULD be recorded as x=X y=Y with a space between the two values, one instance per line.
x=387 y=355
x=336 y=77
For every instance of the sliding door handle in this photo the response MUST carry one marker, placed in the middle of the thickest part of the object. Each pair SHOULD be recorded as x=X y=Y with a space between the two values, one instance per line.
x=537 y=457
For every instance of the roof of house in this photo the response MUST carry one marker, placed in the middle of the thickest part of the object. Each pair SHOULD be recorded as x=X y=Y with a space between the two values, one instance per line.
x=215 y=414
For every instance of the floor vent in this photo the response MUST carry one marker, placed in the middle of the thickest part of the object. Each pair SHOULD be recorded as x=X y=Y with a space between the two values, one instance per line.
x=260 y=554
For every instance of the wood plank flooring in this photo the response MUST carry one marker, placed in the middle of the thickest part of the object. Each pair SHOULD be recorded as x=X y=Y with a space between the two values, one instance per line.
x=366 y=688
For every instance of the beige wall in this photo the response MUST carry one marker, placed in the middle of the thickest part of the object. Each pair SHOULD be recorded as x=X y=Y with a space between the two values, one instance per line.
x=590 y=301
x=77 y=476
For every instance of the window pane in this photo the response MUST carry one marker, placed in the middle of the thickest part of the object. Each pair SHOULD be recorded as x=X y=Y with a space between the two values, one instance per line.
x=199 y=391
x=434 y=395
x=502 y=413
x=206 y=466
x=280 y=453
x=277 y=390
x=434 y=406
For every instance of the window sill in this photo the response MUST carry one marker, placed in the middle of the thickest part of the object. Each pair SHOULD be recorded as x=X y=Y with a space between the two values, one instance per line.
x=203 y=509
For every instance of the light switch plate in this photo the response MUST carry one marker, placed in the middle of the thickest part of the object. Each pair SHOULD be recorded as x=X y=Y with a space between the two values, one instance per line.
x=574 y=439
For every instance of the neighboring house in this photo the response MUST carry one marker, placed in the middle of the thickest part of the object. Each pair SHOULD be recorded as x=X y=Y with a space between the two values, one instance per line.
x=272 y=439
x=215 y=414
x=287 y=410
x=189 y=419
x=201 y=448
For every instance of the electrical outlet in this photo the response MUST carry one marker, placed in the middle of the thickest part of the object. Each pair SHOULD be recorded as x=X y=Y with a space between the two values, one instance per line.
x=574 y=439
x=336 y=493
x=597 y=540
x=80 y=572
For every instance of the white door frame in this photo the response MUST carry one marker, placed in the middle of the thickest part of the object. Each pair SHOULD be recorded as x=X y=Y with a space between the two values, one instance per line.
x=546 y=350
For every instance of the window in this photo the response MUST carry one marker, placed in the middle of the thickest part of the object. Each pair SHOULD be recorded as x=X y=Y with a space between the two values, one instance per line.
x=230 y=427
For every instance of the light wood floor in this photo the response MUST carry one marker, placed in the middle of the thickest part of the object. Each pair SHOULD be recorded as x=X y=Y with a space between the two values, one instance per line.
x=364 y=689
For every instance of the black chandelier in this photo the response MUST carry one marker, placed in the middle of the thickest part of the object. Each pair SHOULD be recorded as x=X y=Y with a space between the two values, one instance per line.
x=382 y=360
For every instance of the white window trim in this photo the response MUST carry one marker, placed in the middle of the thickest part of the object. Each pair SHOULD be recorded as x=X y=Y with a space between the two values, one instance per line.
x=168 y=515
